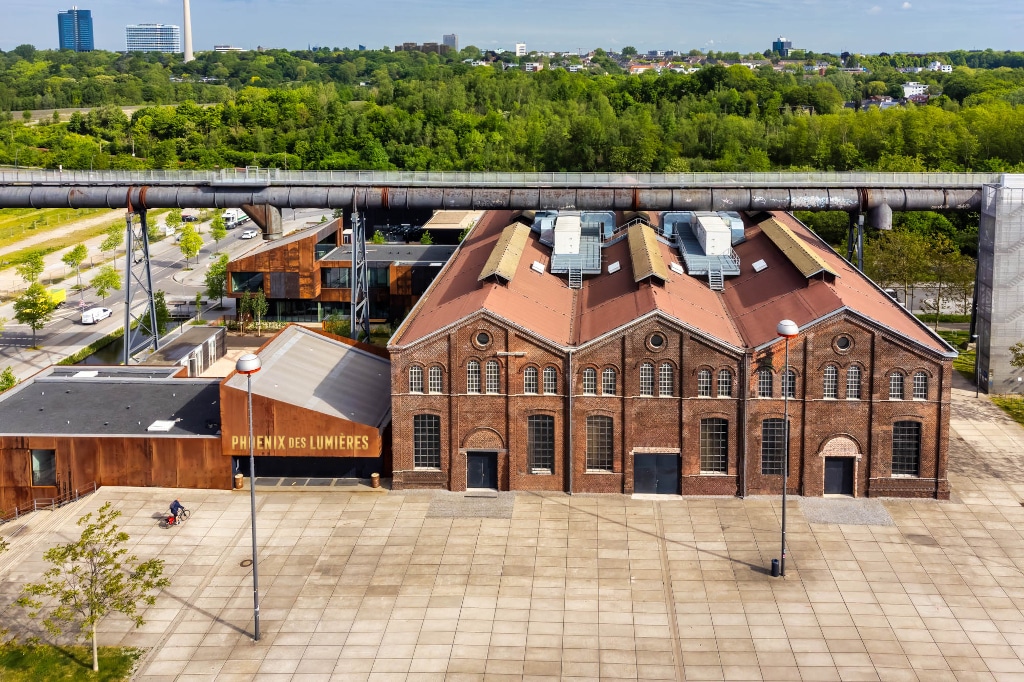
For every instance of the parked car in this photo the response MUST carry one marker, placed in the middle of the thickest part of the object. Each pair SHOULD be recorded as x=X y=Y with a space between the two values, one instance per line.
x=94 y=315
x=249 y=234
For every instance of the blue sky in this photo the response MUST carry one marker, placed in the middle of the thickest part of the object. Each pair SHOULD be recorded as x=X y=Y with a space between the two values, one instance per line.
x=740 y=25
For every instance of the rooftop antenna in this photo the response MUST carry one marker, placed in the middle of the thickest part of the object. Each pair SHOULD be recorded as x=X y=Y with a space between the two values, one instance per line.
x=188 y=34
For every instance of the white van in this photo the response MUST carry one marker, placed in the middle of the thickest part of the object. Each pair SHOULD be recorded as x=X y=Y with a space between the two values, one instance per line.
x=94 y=315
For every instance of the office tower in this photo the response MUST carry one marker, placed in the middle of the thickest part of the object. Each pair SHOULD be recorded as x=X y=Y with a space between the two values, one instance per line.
x=152 y=38
x=451 y=40
x=520 y=49
x=74 y=29
x=188 y=34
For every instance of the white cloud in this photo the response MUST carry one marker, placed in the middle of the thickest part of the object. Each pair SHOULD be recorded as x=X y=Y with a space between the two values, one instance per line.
x=875 y=10
x=906 y=5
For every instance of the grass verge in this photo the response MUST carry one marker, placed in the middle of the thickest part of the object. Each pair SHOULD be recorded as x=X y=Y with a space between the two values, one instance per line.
x=89 y=350
x=1011 y=405
x=929 y=318
x=17 y=223
x=20 y=663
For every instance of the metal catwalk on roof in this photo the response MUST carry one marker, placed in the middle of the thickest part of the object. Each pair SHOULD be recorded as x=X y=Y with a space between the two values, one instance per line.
x=697 y=262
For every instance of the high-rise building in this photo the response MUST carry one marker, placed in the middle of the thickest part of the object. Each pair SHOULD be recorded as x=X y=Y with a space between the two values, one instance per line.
x=782 y=46
x=74 y=29
x=520 y=49
x=152 y=38
x=451 y=40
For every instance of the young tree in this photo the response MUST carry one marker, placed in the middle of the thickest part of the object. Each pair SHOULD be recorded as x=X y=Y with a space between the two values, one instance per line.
x=107 y=279
x=163 y=315
x=190 y=243
x=173 y=219
x=33 y=266
x=113 y=240
x=258 y=307
x=35 y=308
x=217 y=279
x=338 y=213
x=93 y=577
x=244 y=311
x=897 y=257
x=217 y=229
x=378 y=238
x=1017 y=353
x=7 y=382
x=74 y=259
x=426 y=239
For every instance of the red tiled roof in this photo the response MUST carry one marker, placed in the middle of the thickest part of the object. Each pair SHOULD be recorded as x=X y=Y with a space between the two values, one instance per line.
x=745 y=314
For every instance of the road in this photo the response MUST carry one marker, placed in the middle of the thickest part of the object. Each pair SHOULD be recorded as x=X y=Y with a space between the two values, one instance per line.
x=65 y=334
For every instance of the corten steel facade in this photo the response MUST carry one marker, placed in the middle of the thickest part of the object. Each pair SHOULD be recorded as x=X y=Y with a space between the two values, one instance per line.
x=675 y=386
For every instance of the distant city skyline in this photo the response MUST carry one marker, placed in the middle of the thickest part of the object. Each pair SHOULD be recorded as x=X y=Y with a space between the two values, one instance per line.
x=868 y=26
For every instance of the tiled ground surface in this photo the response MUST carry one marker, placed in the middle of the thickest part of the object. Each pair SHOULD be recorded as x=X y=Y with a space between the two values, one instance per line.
x=370 y=586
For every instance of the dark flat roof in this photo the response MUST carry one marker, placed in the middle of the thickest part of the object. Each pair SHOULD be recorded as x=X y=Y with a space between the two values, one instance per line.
x=184 y=344
x=58 y=404
x=397 y=253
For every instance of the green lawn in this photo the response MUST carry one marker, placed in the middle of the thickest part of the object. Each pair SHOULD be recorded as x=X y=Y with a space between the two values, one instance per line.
x=54 y=664
x=1011 y=405
x=17 y=223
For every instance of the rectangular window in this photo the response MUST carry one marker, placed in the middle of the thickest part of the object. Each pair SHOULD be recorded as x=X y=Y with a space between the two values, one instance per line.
x=426 y=441
x=415 y=379
x=530 y=380
x=666 y=381
x=550 y=380
x=44 y=467
x=789 y=384
x=906 y=449
x=599 y=443
x=895 y=386
x=335 y=278
x=434 y=379
x=830 y=387
x=714 y=446
x=246 y=281
x=765 y=381
x=589 y=381
x=853 y=383
x=540 y=443
x=920 y=386
x=773 y=443
x=704 y=383
x=608 y=382
x=646 y=379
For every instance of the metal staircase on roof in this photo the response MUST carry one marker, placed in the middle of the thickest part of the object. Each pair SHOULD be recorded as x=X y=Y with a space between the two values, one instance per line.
x=715 y=279
x=575 y=277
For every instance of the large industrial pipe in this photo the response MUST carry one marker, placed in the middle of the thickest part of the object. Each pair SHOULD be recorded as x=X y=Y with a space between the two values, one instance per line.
x=708 y=199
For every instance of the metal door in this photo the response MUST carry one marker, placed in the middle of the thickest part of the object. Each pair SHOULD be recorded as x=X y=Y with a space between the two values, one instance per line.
x=839 y=476
x=656 y=473
x=482 y=470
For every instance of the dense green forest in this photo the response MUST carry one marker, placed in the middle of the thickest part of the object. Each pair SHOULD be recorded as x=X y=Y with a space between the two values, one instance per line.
x=350 y=109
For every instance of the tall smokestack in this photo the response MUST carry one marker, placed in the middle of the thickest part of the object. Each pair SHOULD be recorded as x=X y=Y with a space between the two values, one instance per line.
x=188 y=35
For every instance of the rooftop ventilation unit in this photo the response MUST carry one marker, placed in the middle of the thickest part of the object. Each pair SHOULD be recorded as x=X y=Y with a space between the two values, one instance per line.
x=676 y=268
x=162 y=425
x=537 y=266
x=613 y=267
x=760 y=265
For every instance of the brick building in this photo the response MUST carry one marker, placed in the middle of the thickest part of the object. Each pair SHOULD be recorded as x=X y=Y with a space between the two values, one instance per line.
x=645 y=377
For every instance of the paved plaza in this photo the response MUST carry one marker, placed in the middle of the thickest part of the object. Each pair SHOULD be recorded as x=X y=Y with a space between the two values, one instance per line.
x=443 y=586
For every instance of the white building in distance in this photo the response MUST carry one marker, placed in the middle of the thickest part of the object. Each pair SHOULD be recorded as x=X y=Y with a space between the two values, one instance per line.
x=520 y=49
x=152 y=38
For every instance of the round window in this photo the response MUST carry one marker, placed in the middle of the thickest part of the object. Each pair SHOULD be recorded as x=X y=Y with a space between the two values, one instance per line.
x=657 y=340
x=843 y=343
x=483 y=338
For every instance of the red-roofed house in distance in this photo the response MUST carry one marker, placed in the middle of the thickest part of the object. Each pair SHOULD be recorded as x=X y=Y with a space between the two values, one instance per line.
x=602 y=352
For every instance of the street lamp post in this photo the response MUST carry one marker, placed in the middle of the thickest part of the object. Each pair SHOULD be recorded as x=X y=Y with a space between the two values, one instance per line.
x=786 y=329
x=977 y=358
x=248 y=365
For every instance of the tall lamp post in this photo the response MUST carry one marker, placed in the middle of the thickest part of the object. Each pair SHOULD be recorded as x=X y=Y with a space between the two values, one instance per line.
x=786 y=329
x=977 y=358
x=248 y=365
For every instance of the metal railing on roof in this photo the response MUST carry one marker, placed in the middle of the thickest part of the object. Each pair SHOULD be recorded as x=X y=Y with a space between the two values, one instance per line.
x=274 y=176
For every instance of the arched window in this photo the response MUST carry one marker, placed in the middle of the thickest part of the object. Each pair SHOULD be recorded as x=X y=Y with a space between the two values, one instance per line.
x=434 y=380
x=704 y=383
x=896 y=386
x=415 y=379
x=599 y=443
x=589 y=381
x=493 y=377
x=920 y=386
x=550 y=380
x=530 y=380
x=724 y=383
x=666 y=381
x=472 y=377
x=647 y=379
x=853 y=383
x=765 y=383
x=830 y=382
x=608 y=381
x=789 y=384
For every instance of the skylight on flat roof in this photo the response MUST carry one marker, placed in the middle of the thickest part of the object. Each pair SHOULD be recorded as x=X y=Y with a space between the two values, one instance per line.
x=163 y=425
x=537 y=266
x=614 y=267
x=760 y=265
x=676 y=268
x=86 y=374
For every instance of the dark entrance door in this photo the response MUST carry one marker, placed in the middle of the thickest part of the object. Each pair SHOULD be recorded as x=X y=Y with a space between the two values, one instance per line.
x=656 y=473
x=839 y=475
x=482 y=470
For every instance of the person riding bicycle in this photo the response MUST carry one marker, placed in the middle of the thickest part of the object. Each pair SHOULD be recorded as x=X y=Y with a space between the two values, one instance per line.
x=176 y=508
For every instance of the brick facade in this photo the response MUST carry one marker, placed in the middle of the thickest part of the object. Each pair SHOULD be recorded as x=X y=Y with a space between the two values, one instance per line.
x=858 y=429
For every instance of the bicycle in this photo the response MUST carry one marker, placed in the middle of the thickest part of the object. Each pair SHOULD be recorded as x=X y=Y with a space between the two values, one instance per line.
x=181 y=518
